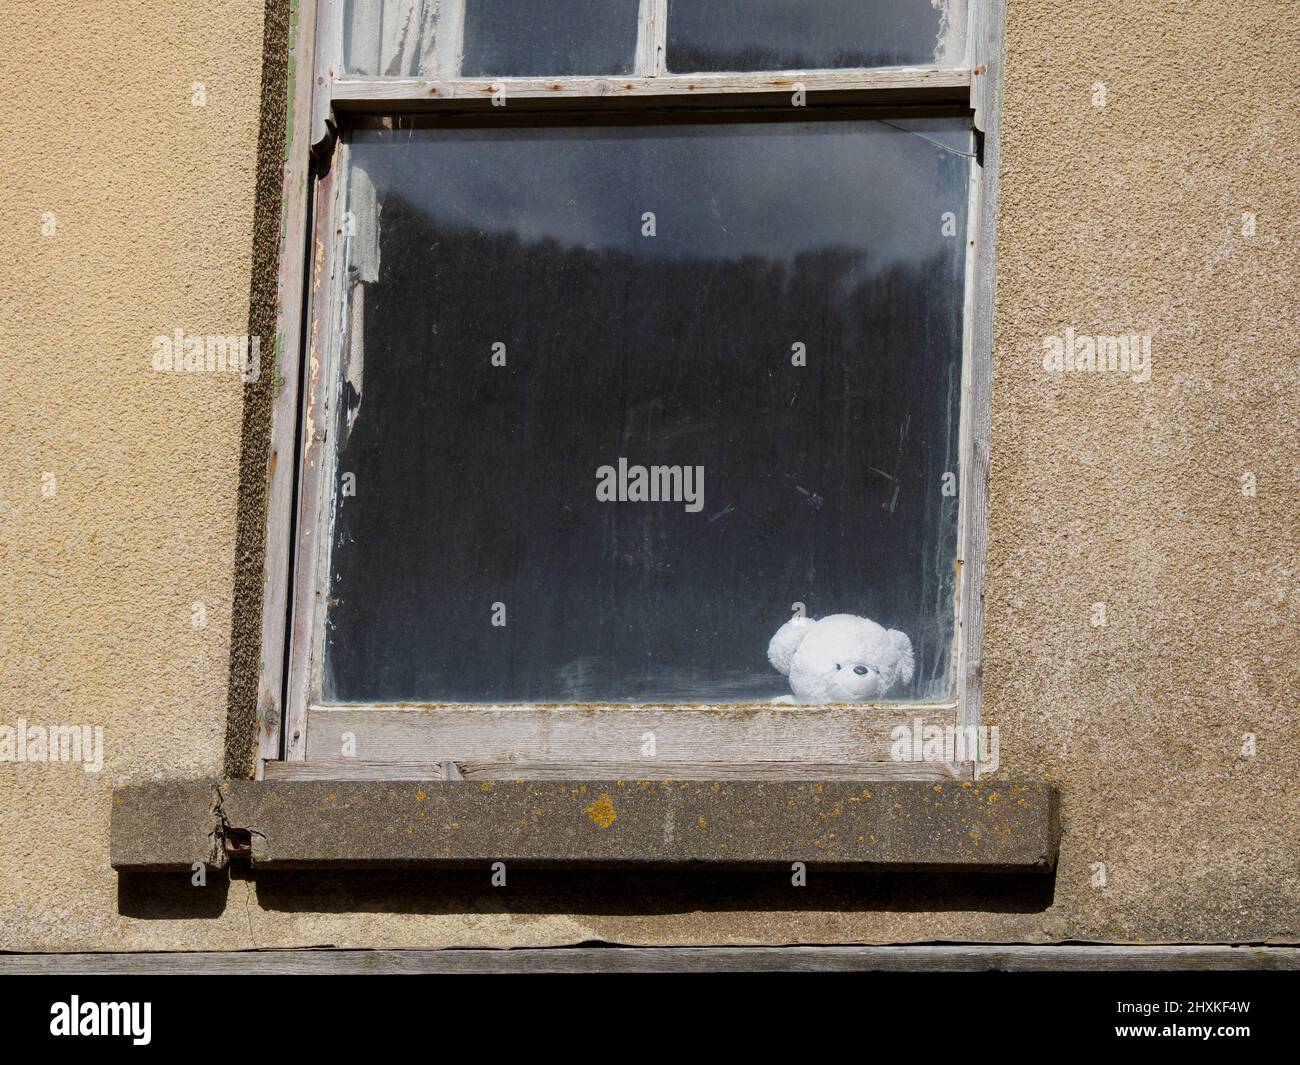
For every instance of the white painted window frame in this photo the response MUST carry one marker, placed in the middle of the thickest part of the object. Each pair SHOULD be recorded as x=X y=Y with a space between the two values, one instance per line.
x=588 y=742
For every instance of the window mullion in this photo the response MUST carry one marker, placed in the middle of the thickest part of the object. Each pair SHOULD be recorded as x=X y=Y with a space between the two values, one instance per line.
x=652 y=32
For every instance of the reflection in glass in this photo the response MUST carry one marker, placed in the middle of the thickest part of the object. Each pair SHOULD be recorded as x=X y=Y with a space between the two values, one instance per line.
x=530 y=303
x=390 y=38
x=739 y=35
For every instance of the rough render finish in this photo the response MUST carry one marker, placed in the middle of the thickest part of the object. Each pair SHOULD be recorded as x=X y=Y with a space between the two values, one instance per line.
x=1113 y=219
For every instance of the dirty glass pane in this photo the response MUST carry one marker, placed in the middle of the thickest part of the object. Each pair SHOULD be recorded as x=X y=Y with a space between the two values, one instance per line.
x=771 y=308
x=524 y=37
x=722 y=35
x=390 y=38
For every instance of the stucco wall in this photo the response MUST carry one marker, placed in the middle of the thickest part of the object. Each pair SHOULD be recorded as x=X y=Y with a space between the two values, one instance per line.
x=1119 y=218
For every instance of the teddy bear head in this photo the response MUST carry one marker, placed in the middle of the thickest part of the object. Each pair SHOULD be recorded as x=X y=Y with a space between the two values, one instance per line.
x=841 y=658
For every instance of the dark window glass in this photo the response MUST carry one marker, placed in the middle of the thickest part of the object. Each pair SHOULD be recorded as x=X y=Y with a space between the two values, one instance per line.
x=475 y=484
x=519 y=38
x=720 y=35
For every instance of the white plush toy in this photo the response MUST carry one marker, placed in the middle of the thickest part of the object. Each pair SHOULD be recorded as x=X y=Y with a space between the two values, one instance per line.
x=840 y=659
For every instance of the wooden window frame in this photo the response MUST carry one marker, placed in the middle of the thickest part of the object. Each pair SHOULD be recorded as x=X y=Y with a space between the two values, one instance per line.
x=696 y=741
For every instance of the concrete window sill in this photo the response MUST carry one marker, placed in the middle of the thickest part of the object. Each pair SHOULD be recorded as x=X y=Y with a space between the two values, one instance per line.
x=905 y=825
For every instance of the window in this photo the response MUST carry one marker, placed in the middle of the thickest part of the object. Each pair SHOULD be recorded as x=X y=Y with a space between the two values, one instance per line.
x=612 y=371
x=723 y=35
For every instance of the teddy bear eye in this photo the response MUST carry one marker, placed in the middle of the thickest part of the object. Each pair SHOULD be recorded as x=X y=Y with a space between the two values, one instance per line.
x=838 y=666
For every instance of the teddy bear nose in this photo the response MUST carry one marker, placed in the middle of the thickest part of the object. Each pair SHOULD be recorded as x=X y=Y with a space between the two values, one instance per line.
x=861 y=671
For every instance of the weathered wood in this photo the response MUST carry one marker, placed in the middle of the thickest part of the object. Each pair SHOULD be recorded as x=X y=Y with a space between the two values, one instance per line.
x=924 y=84
x=984 y=53
x=287 y=367
x=652 y=33
x=327 y=63
x=316 y=461
x=689 y=735
x=977 y=418
x=345 y=769
x=920 y=958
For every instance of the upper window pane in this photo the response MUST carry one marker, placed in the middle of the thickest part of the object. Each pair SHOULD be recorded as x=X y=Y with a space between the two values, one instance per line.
x=770 y=308
x=390 y=38
x=740 y=35
x=543 y=38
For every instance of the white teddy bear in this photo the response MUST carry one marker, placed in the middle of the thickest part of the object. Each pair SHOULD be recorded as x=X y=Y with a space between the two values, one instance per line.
x=840 y=659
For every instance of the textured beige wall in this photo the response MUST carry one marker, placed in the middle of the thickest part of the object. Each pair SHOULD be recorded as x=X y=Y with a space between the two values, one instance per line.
x=1122 y=218
x=153 y=202
x=1114 y=219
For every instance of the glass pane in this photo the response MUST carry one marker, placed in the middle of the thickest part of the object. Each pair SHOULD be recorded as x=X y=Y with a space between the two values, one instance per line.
x=764 y=315
x=721 y=35
x=524 y=37
x=390 y=38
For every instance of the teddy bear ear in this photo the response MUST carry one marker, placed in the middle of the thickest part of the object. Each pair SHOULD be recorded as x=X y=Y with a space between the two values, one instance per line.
x=781 y=649
x=904 y=667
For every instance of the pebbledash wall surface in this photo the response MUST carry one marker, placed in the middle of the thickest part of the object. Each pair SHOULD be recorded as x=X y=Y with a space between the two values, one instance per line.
x=132 y=210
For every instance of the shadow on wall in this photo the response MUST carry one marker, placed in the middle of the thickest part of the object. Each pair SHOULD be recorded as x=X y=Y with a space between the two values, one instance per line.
x=255 y=433
x=595 y=892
